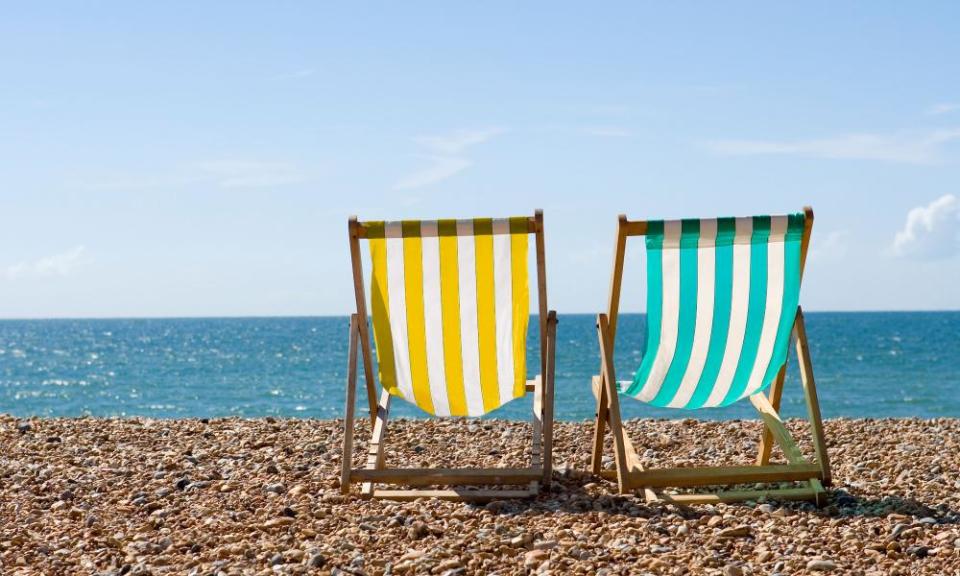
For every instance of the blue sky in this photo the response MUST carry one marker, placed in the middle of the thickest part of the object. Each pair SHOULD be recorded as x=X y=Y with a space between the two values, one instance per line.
x=202 y=158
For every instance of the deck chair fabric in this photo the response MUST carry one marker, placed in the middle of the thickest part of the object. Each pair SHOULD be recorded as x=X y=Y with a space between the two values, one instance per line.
x=722 y=296
x=450 y=304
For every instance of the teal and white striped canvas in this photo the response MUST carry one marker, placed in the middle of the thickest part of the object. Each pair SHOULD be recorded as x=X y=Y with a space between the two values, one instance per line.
x=722 y=295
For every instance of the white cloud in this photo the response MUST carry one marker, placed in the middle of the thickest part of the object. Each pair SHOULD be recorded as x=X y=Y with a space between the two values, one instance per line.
x=943 y=108
x=833 y=245
x=446 y=156
x=244 y=174
x=608 y=131
x=455 y=144
x=932 y=231
x=922 y=148
x=440 y=168
x=61 y=264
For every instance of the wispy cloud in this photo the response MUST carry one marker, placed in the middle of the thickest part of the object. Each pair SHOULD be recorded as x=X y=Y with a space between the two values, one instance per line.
x=248 y=174
x=456 y=143
x=440 y=168
x=608 y=131
x=833 y=245
x=913 y=148
x=943 y=108
x=61 y=264
x=445 y=155
x=931 y=232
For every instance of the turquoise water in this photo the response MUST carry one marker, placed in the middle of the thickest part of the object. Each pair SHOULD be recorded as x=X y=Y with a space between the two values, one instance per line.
x=866 y=364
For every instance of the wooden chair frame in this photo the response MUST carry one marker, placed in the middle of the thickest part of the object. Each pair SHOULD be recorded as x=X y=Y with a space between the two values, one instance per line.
x=630 y=474
x=462 y=480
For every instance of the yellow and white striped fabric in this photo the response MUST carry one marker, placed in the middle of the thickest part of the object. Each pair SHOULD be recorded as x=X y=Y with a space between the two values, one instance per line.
x=450 y=306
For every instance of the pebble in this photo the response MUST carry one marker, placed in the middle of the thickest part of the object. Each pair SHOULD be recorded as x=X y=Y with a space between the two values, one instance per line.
x=418 y=530
x=535 y=557
x=521 y=540
x=277 y=522
x=275 y=488
x=737 y=532
x=316 y=561
x=821 y=565
x=918 y=551
x=24 y=427
x=297 y=490
x=732 y=570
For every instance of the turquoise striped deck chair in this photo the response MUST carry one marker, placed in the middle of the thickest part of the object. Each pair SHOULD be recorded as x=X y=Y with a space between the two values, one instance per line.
x=722 y=309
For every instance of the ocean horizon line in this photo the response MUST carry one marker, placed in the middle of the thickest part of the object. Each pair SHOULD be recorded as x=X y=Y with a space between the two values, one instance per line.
x=347 y=315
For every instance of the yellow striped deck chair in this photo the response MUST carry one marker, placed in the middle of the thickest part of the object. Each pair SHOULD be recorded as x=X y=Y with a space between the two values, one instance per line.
x=449 y=303
x=722 y=307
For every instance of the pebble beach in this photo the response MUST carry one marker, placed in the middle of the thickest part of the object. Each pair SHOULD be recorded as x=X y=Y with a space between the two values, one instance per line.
x=262 y=496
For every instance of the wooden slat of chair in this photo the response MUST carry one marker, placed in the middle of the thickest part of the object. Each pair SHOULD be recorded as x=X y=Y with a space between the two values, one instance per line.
x=810 y=393
x=633 y=459
x=347 y=459
x=458 y=494
x=445 y=476
x=782 y=436
x=359 y=293
x=722 y=475
x=608 y=380
x=727 y=496
x=613 y=308
x=537 y=436
x=600 y=422
x=548 y=391
x=774 y=395
x=375 y=459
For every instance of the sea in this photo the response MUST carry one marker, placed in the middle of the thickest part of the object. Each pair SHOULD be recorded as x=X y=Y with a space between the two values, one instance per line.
x=867 y=364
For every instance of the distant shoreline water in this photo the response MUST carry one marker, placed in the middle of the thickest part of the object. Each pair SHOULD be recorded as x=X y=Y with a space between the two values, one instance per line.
x=867 y=364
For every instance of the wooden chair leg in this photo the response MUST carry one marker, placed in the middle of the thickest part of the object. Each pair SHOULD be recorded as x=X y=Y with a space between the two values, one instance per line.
x=596 y=458
x=613 y=414
x=375 y=459
x=351 y=402
x=548 y=389
x=775 y=394
x=810 y=392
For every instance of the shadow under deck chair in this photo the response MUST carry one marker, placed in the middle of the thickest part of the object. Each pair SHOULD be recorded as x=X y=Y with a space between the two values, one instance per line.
x=450 y=307
x=722 y=307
